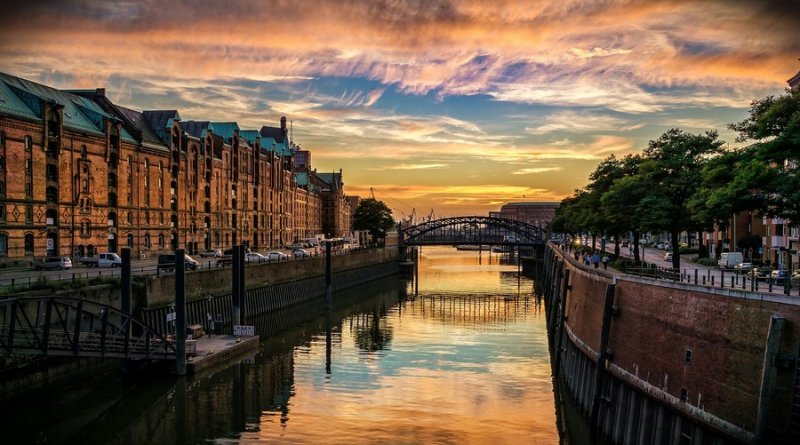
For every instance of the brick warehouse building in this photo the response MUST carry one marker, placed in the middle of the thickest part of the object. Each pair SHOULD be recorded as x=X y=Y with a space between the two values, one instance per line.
x=80 y=175
x=536 y=213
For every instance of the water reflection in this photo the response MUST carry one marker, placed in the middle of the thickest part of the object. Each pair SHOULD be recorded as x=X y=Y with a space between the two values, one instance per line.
x=463 y=359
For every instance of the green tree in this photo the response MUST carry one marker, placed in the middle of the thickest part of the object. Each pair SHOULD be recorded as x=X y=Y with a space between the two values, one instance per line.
x=620 y=202
x=770 y=172
x=607 y=173
x=375 y=216
x=670 y=173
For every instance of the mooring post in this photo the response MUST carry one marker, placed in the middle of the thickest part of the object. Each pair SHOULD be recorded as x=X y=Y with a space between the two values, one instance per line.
x=328 y=289
x=242 y=292
x=768 y=374
x=235 y=288
x=180 y=313
x=125 y=303
x=608 y=310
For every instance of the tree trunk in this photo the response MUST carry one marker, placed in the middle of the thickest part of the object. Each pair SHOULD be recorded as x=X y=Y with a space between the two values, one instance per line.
x=616 y=245
x=676 y=251
x=636 y=247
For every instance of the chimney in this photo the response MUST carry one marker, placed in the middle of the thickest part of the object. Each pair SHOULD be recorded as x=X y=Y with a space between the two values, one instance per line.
x=283 y=124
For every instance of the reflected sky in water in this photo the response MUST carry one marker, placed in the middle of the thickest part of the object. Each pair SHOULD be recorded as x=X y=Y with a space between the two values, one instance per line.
x=463 y=361
x=459 y=357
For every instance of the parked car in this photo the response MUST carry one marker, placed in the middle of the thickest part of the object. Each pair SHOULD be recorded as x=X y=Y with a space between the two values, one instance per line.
x=277 y=256
x=226 y=259
x=167 y=262
x=728 y=260
x=778 y=275
x=758 y=273
x=211 y=253
x=57 y=263
x=301 y=253
x=743 y=267
x=668 y=256
x=254 y=257
x=106 y=259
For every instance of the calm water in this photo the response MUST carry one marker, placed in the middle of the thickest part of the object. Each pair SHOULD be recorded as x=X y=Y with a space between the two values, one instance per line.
x=459 y=357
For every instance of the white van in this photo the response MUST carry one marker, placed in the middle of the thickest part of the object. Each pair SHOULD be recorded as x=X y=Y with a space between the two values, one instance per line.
x=729 y=259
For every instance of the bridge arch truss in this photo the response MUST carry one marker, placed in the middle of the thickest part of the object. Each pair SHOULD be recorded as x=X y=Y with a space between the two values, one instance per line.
x=473 y=230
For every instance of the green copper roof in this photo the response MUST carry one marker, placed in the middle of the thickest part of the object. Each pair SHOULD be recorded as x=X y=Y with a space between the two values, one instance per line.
x=301 y=179
x=251 y=136
x=30 y=93
x=11 y=104
x=225 y=129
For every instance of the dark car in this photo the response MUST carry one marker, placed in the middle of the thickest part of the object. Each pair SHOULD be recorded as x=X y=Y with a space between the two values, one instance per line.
x=226 y=259
x=167 y=262
x=53 y=263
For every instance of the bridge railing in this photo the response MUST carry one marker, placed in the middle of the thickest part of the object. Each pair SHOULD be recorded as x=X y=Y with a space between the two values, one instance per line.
x=65 y=326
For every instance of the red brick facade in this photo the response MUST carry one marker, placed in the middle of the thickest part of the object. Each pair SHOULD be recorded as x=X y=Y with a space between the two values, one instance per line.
x=81 y=175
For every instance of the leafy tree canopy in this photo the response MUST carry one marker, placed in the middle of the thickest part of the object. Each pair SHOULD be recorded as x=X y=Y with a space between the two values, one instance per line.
x=375 y=216
x=772 y=173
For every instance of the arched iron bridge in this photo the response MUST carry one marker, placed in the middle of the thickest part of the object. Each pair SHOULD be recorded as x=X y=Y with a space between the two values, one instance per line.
x=473 y=230
x=76 y=327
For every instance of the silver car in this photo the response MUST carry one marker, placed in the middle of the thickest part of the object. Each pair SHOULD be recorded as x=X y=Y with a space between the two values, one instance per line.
x=57 y=263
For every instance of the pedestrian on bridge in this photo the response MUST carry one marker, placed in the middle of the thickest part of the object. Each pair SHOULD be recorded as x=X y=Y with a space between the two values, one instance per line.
x=596 y=259
x=605 y=262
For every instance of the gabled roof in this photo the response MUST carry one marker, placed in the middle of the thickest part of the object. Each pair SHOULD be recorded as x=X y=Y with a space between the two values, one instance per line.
x=276 y=133
x=160 y=121
x=251 y=136
x=30 y=95
x=225 y=129
x=334 y=180
x=301 y=179
x=10 y=103
x=198 y=129
x=139 y=122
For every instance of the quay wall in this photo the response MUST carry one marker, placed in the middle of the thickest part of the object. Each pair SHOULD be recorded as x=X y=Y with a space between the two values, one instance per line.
x=651 y=360
x=269 y=295
x=159 y=290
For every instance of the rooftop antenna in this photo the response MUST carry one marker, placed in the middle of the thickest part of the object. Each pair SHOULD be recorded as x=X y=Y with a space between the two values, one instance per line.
x=371 y=193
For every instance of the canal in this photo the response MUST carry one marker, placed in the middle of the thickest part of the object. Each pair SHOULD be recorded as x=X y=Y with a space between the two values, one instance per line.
x=458 y=357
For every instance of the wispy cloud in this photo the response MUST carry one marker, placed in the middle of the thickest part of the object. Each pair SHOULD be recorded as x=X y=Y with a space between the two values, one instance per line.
x=409 y=85
x=534 y=170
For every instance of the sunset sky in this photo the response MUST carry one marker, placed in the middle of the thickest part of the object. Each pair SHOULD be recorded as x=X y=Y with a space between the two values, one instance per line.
x=451 y=106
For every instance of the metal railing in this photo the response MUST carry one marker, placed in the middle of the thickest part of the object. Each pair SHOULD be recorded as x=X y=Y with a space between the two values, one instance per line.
x=724 y=279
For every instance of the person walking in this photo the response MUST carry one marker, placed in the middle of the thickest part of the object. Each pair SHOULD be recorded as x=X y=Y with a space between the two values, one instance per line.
x=596 y=259
x=605 y=262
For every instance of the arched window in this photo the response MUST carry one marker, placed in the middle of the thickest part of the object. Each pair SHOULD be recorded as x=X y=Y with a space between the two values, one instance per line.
x=3 y=244
x=147 y=240
x=84 y=152
x=28 y=143
x=28 y=244
x=130 y=240
x=160 y=240
x=86 y=228
x=2 y=212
